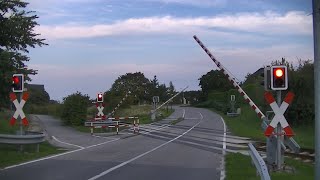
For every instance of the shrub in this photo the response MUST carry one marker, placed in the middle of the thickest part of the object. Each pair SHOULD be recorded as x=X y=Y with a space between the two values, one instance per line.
x=75 y=109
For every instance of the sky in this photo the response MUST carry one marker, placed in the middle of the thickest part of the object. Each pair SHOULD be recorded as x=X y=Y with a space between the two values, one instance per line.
x=92 y=42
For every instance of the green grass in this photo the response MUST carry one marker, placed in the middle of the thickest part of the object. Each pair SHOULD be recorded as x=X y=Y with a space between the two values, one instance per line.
x=11 y=155
x=238 y=167
x=249 y=125
x=143 y=112
x=5 y=127
x=304 y=135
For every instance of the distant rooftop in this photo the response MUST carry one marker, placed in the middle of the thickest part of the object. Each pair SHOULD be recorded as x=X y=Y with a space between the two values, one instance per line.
x=35 y=87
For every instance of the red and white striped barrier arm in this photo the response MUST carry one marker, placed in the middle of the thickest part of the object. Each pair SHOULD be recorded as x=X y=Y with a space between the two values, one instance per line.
x=19 y=106
x=231 y=79
x=122 y=118
x=279 y=111
x=118 y=105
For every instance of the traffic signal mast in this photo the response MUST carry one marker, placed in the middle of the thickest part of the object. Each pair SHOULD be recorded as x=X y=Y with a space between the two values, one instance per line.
x=18 y=83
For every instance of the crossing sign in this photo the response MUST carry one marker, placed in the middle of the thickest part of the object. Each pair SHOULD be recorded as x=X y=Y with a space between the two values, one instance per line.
x=19 y=106
x=100 y=114
x=279 y=111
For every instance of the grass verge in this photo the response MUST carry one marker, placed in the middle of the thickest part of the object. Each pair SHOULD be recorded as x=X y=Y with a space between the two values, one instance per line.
x=249 y=125
x=238 y=167
x=11 y=155
x=5 y=127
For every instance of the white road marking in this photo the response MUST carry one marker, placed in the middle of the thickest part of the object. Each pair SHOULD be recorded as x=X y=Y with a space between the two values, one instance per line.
x=143 y=154
x=148 y=132
x=41 y=159
x=224 y=147
x=57 y=155
x=81 y=147
x=184 y=113
x=103 y=137
x=102 y=143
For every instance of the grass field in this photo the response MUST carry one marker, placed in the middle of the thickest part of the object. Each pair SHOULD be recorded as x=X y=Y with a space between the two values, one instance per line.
x=5 y=127
x=238 y=167
x=143 y=112
x=249 y=125
x=10 y=154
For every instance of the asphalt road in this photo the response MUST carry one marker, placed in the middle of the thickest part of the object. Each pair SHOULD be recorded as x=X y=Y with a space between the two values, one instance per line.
x=191 y=149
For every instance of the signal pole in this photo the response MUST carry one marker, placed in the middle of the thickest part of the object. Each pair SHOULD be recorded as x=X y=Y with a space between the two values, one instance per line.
x=316 y=36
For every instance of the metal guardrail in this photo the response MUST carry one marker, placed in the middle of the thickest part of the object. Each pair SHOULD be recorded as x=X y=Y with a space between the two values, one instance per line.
x=34 y=138
x=261 y=166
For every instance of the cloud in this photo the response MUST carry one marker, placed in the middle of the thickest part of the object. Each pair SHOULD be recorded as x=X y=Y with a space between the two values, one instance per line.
x=199 y=3
x=62 y=80
x=293 y=22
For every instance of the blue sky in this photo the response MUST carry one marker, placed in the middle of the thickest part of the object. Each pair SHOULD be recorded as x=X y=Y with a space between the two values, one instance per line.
x=92 y=42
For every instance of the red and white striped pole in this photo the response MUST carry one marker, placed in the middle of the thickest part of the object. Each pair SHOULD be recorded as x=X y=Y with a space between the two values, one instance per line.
x=232 y=80
x=118 y=105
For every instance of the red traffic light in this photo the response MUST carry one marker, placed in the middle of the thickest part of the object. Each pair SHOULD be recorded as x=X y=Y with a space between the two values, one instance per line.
x=100 y=97
x=15 y=79
x=279 y=77
x=17 y=82
x=279 y=72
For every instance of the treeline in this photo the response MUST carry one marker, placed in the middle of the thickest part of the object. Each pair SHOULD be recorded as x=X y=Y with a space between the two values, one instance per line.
x=216 y=91
x=78 y=107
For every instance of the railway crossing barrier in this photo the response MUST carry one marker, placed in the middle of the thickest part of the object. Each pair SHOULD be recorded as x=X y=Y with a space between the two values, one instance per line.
x=288 y=140
x=115 y=122
x=119 y=104
x=153 y=112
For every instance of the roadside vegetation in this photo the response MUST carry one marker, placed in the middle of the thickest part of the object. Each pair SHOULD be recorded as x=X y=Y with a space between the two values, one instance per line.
x=10 y=154
x=239 y=167
x=216 y=91
x=215 y=95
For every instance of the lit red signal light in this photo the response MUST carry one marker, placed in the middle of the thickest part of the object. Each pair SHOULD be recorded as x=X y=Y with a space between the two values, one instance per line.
x=100 y=97
x=279 y=72
x=15 y=79
x=279 y=77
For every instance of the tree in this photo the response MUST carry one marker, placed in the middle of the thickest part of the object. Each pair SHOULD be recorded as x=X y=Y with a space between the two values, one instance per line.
x=75 y=109
x=214 y=80
x=136 y=83
x=16 y=36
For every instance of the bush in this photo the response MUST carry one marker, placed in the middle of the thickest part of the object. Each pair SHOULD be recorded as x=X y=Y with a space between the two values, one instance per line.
x=75 y=109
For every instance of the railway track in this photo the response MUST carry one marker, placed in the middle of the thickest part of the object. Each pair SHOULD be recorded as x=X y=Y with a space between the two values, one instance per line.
x=305 y=155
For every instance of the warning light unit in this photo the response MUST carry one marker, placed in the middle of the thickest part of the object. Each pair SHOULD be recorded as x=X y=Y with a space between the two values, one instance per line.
x=279 y=78
x=100 y=97
x=17 y=83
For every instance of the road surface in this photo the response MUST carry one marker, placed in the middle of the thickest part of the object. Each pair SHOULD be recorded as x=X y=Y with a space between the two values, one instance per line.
x=191 y=149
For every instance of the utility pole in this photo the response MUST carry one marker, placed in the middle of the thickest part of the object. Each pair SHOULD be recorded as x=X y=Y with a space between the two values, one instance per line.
x=316 y=40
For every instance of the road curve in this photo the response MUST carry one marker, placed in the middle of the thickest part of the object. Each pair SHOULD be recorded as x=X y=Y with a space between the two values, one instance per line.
x=191 y=149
